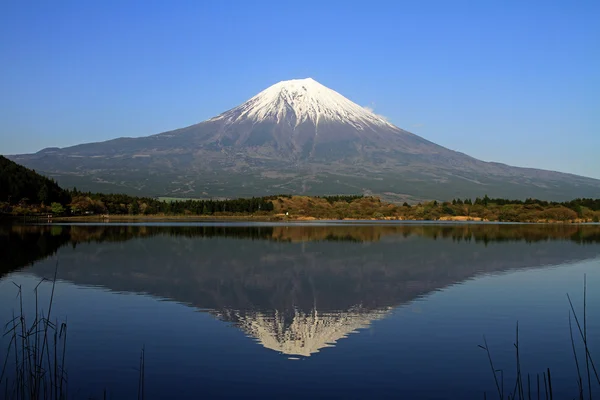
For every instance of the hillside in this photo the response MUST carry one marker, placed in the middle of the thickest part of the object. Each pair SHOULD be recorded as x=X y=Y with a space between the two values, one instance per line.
x=21 y=185
x=296 y=137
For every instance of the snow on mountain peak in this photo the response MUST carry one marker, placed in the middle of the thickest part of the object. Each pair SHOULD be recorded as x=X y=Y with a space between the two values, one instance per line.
x=302 y=100
x=308 y=332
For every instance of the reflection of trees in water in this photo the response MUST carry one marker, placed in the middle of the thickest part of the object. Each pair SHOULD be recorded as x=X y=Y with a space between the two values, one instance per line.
x=26 y=244
x=529 y=233
x=343 y=232
x=23 y=245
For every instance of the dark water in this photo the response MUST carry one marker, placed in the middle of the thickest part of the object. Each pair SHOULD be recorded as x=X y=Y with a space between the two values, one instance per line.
x=276 y=311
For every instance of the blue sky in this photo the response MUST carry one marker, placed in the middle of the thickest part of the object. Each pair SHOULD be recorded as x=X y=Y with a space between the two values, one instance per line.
x=508 y=81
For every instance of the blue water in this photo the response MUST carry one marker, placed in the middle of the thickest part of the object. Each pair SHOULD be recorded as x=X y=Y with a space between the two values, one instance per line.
x=308 y=311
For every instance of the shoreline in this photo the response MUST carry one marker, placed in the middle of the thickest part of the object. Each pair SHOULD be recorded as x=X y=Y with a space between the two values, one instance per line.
x=284 y=218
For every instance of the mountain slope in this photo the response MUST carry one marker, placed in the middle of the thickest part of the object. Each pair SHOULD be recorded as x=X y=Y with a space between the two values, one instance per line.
x=18 y=183
x=296 y=136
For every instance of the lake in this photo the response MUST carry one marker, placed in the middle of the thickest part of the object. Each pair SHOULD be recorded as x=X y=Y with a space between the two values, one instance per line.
x=346 y=310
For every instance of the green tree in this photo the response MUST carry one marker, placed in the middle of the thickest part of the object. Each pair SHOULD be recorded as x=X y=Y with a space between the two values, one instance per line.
x=133 y=208
x=43 y=194
x=57 y=208
x=447 y=210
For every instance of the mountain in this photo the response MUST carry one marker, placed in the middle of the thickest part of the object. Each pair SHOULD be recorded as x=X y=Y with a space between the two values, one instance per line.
x=299 y=137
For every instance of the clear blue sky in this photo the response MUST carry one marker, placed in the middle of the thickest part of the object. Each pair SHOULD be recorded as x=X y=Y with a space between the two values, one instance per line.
x=509 y=81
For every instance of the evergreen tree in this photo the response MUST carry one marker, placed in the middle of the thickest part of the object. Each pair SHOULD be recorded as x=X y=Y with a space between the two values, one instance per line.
x=134 y=208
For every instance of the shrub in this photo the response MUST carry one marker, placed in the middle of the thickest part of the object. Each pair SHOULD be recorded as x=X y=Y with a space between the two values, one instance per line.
x=446 y=209
x=57 y=208
x=559 y=214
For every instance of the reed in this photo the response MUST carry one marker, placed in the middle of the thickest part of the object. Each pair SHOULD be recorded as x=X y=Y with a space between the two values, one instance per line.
x=34 y=366
x=546 y=390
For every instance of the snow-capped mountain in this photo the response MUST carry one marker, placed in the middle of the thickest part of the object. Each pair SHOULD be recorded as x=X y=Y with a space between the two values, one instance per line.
x=300 y=120
x=301 y=137
x=302 y=100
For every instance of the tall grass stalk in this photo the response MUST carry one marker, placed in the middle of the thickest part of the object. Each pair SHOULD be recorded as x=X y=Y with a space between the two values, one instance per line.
x=37 y=347
x=142 y=374
x=589 y=361
x=589 y=369
x=34 y=366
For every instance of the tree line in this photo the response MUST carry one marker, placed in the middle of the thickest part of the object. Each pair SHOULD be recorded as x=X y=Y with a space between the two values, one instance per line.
x=121 y=204
x=575 y=205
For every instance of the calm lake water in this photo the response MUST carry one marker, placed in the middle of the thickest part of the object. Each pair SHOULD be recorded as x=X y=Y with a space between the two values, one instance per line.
x=307 y=310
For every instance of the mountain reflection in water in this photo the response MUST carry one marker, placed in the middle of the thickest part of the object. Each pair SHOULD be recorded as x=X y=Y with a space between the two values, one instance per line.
x=295 y=288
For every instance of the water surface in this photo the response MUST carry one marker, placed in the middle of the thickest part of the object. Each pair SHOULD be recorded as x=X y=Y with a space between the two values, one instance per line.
x=307 y=310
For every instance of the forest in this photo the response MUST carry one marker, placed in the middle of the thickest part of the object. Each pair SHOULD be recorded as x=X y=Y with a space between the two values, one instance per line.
x=120 y=204
x=22 y=185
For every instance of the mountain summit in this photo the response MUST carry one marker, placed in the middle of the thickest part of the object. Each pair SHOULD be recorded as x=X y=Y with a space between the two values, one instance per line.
x=300 y=101
x=301 y=137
